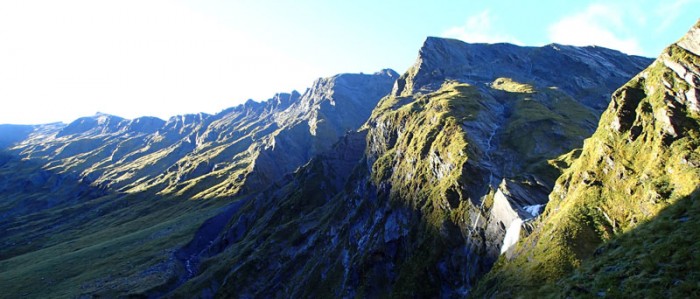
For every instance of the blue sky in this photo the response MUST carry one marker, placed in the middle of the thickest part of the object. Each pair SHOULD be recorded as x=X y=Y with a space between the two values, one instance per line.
x=63 y=59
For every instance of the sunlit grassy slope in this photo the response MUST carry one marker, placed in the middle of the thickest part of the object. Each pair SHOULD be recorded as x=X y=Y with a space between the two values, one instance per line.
x=621 y=218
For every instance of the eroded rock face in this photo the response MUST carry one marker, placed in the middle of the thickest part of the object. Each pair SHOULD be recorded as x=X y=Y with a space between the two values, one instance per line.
x=513 y=206
x=104 y=175
x=241 y=149
x=416 y=203
x=311 y=125
x=586 y=73
x=641 y=162
x=449 y=161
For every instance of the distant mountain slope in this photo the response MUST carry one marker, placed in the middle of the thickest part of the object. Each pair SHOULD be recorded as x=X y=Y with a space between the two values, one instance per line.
x=177 y=156
x=622 y=220
x=418 y=201
x=364 y=186
x=10 y=134
x=117 y=194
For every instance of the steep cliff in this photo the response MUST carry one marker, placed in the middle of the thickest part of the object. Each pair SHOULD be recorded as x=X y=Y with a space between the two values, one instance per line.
x=445 y=167
x=203 y=155
x=353 y=189
x=117 y=192
x=622 y=220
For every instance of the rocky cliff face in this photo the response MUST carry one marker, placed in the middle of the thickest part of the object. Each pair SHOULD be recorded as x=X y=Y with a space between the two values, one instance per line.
x=329 y=109
x=502 y=169
x=624 y=212
x=584 y=73
x=448 y=165
x=74 y=185
x=241 y=148
x=449 y=170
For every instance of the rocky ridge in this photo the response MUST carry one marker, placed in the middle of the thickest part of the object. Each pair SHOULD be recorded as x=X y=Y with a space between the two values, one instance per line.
x=232 y=150
x=447 y=172
x=72 y=185
x=624 y=213
x=444 y=171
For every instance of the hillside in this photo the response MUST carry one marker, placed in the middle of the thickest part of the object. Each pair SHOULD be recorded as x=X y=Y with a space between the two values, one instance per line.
x=405 y=206
x=622 y=220
x=124 y=194
x=372 y=185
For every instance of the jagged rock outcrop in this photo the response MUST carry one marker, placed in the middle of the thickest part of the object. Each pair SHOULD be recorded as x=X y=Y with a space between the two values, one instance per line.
x=446 y=173
x=329 y=109
x=240 y=149
x=421 y=213
x=114 y=191
x=515 y=115
x=625 y=211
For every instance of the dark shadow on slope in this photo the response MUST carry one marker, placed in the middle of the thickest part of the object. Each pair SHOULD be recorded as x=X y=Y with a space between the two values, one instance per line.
x=236 y=220
x=27 y=188
x=207 y=241
x=327 y=231
x=659 y=258
x=302 y=244
x=63 y=237
x=10 y=134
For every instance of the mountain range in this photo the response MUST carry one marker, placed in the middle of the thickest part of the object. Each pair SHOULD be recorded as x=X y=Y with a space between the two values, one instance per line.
x=484 y=170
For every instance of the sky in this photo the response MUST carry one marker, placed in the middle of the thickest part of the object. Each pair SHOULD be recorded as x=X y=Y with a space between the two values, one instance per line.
x=60 y=60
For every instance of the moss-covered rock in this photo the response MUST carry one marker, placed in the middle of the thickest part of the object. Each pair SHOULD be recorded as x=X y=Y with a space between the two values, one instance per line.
x=424 y=210
x=636 y=172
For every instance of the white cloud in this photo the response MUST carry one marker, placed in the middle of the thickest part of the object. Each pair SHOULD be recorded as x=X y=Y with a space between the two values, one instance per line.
x=63 y=59
x=479 y=29
x=598 y=24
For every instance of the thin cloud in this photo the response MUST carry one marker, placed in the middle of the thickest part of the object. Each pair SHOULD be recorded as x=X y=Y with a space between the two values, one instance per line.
x=598 y=24
x=479 y=29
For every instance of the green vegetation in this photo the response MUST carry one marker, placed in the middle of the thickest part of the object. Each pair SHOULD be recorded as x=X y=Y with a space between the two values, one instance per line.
x=425 y=163
x=507 y=84
x=658 y=258
x=554 y=122
x=634 y=178
x=401 y=208
x=109 y=246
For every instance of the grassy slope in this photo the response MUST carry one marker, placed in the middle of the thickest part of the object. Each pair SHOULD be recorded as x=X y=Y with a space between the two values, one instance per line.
x=425 y=170
x=629 y=171
x=427 y=163
x=433 y=137
x=658 y=258
x=276 y=238
x=112 y=245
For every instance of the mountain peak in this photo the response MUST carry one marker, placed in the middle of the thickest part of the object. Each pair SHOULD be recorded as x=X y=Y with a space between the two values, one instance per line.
x=649 y=133
x=691 y=40
x=102 y=122
x=387 y=72
x=578 y=69
x=346 y=96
